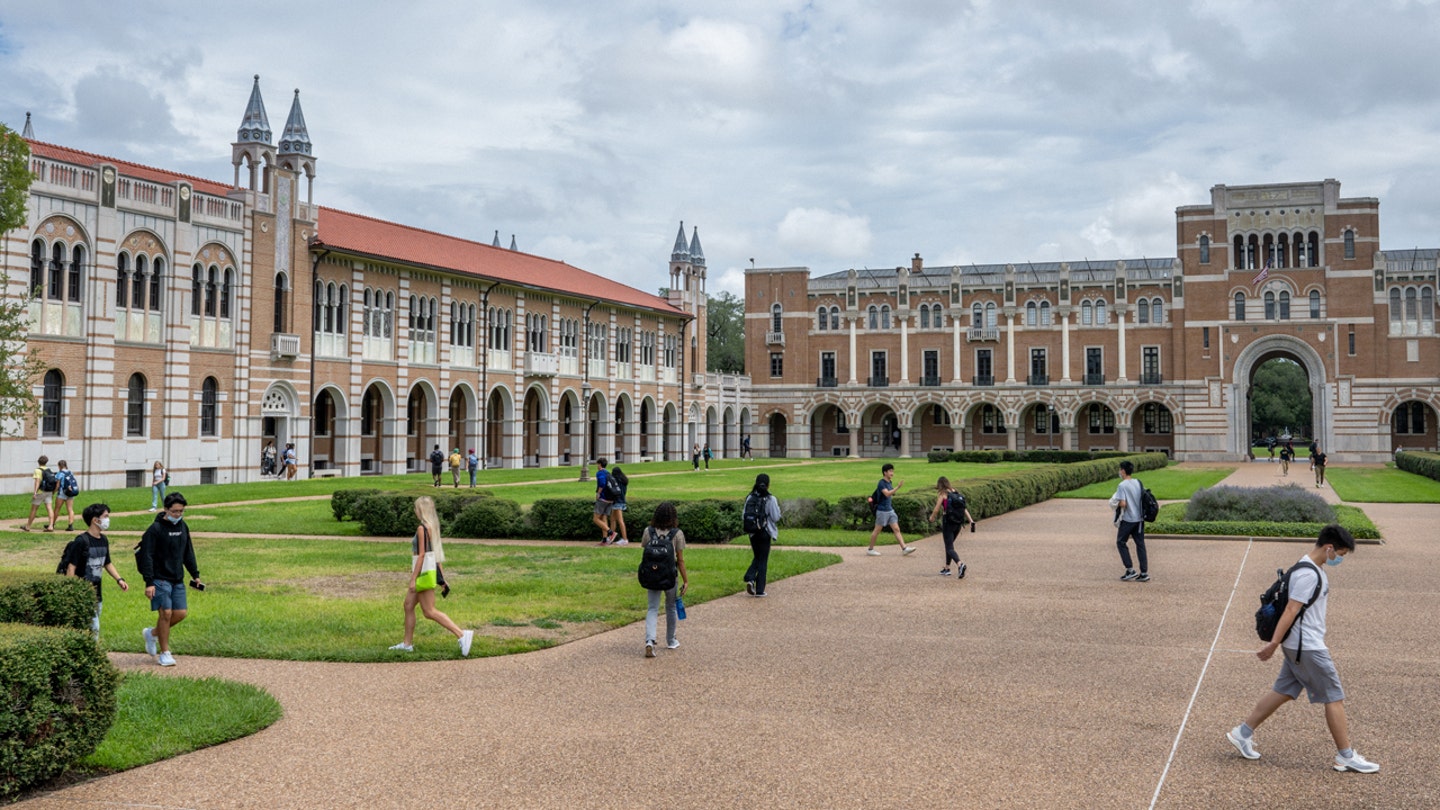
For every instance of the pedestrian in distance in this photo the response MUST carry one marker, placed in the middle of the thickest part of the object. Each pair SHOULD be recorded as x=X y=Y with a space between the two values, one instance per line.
x=164 y=555
x=41 y=496
x=1318 y=461
x=619 y=486
x=1270 y=445
x=765 y=533
x=66 y=488
x=695 y=457
x=1285 y=460
x=708 y=455
x=159 y=481
x=1314 y=448
x=455 y=461
x=745 y=448
x=472 y=462
x=954 y=514
x=665 y=546
x=1130 y=522
x=1305 y=661
x=292 y=462
x=88 y=556
x=437 y=465
x=267 y=459
x=427 y=555
x=603 y=503
x=885 y=514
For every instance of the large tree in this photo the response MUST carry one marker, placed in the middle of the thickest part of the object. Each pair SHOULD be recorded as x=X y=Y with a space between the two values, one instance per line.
x=1280 y=398
x=726 y=341
x=18 y=368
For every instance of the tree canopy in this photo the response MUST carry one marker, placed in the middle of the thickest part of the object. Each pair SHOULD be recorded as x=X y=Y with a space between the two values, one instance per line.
x=18 y=368
x=1280 y=398
x=725 y=343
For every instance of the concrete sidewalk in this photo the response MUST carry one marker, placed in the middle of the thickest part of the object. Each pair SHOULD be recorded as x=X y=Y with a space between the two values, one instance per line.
x=1040 y=680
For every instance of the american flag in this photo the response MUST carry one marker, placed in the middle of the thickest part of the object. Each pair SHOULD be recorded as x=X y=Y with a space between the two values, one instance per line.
x=1263 y=274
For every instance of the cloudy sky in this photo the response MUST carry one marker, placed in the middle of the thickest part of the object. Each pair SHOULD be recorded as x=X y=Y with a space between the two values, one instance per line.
x=828 y=134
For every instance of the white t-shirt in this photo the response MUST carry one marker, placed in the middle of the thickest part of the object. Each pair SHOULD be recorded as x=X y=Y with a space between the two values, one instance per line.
x=1130 y=492
x=1303 y=583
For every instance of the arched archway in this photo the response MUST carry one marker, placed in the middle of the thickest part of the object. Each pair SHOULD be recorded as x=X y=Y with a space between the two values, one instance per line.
x=647 y=419
x=778 y=430
x=327 y=449
x=375 y=414
x=1249 y=361
x=829 y=431
x=880 y=431
x=623 y=435
x=1413 y=427
x=671 y=428
x=420 y=408
x=498 y=418
x=536 y=417
x=461 y=419
x=931 y=428
x=1040 y=427
x=985 y=427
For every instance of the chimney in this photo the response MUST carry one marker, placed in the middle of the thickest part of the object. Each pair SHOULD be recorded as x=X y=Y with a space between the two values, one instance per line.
x=916 y=264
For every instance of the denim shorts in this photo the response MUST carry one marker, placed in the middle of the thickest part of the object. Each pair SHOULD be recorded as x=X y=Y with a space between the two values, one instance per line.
x=168 y=596
x=884 y=517
x=1315 y=673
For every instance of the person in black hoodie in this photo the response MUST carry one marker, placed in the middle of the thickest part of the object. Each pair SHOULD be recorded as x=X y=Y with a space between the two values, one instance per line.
x=164 y=555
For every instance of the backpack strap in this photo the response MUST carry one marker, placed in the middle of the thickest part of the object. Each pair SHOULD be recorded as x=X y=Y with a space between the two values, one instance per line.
x=1300 y=644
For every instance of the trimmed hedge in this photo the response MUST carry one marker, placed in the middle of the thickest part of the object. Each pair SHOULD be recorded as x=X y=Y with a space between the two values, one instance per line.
x=59 y=701
x=1276 y=504
x=47 y=600
x=1419 y=462
x=1172 y=521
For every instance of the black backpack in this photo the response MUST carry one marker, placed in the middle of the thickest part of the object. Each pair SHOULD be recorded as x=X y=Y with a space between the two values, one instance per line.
x=955 y=508
x=875 y=501
x=1273 y=602
x=755 y=513
x=613 y=492
x=1149 y=507
x=657 y=561
x=65 y=558
x=48 y=481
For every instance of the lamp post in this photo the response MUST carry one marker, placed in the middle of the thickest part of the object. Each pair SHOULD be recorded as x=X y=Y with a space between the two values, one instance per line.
x=585 y=431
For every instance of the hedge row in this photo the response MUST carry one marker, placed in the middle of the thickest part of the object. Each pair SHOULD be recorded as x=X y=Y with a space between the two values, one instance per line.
x=715 y=520
x=58 y=687
x=1031 y=456
x=1172 y=521
x=1419 y=462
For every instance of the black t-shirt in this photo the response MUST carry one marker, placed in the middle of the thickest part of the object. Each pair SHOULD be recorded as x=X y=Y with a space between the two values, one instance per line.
x=437 y=459
x=89 y=555
x=1319 y=459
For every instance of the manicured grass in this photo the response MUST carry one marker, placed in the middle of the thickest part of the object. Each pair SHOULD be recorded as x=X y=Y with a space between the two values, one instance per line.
x=290 y=518
x=336 y=600
x=1375 y=485
x=158 y=718
x=1174 y=483
x=1262 y=453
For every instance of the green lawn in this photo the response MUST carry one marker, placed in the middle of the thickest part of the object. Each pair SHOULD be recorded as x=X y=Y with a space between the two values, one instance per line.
x=1388 y=485
x=336 y=600
x=1174 y=483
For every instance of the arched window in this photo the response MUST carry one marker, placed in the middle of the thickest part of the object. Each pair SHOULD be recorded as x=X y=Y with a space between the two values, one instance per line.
x=1142 y=311
x=51 y=400
x=1157 y=311
x=775 y=318
x=209 y=406
x=884 y=316
x=389 y=315
x=977 y=317
x=1032 y=314
x=281 y=286
x=137 y=282
x=937 y=316
x=1284 y=305
x=990 y=315
x=135 y=406
x=1102 y=315
x=1045 y=313
x=77 y=272
x=212 y=289
x=37 y=268
x=122 y=280
x=1204 y=249
x=1087 y=313
x=822 y=319
x=195 y=290
x=1238 y=251
x=1396 y=311
x=157 y=283
x=834 y=317
x=56 y=276
x=874 y=313
x=1269 y=305
x=227 y=292
x=1349 y=244
x=924 y=316
x=1315 y=303
x=1427 y=311
x=1239 y=306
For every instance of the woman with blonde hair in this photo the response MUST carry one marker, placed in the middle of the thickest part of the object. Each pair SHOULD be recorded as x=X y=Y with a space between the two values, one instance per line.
x=426 y=556
x=159 y=480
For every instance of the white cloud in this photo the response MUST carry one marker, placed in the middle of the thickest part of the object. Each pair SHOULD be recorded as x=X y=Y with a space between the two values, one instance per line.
x=824 y=233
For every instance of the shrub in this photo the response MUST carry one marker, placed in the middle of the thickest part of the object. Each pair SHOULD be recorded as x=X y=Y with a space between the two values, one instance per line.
x=1419 y=462
x=710 y=521
x=1032 y=456
x=59 y=702
x=449 y=507
x=1172 y=521
x=488 y=517
x=564 y=518
x=1278 y=504
x=806 y=513
x=386 y=514
x=48 y=600
x=342 y=501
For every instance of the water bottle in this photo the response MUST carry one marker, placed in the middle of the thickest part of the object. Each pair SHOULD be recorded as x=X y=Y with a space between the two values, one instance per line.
x=680 y=607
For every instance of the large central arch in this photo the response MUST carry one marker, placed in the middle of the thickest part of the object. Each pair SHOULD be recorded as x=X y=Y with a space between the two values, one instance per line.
x=1243 y=374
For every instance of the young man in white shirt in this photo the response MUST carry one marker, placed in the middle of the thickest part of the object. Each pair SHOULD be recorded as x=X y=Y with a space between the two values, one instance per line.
x=1307 y=664
x=1130 y=522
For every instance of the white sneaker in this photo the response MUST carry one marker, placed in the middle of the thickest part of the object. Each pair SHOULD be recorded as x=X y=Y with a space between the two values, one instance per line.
x=150 y=646
x=873 y=553
x=622 y=542
x=908 y=551
x=1355 y=763
x=168 y=660
x=673 y=644
x=403 y=647
x=1245 y=745
x=465 y=639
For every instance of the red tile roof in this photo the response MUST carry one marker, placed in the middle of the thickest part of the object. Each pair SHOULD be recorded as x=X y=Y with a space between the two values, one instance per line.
x=353 y=233
x=347 y=232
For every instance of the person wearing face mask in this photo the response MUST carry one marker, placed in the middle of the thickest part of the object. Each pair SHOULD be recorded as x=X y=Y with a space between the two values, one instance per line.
x=164 y=555
x=89 y=554
x=1307 y=664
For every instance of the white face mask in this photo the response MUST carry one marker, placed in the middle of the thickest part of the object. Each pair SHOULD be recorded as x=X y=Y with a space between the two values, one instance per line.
x=105 y=523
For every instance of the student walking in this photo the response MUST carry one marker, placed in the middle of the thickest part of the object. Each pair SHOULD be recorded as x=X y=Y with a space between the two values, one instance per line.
x=885 y=515
x=1314 y=448
x=437 y=465
x=455 y=459
x=159 y=480
x=1285 y=460
x=766 y=533
x=88 y=555
x=745 y=448
x=695 y=457
x=164 y=555
x=1130 y=522
x=619 y=485
x=292 y=462
x=708 y=455
x=662 y=559
x=951 y=504
x=426 y=557
x=43 y=494
x=1317 y=461
x=603 y=503
x=472 y=462
x=66 y=488
x=267 y=460
x=1306 y=663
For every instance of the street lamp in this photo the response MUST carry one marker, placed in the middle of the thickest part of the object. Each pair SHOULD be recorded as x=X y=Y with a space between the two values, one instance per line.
x=585 y=431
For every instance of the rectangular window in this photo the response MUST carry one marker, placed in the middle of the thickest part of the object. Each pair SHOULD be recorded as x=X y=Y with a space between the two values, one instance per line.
x=1352 y=341
x=930 y=365
x=1205 y=337
x=1102 y=419
x=1150 y=365
x=1042 y=419
x=207 y=475
x=827 y=368
x=777 y=364
x=879 y=368
x=1038 y=367
x=984 y=364
x=1094 y=365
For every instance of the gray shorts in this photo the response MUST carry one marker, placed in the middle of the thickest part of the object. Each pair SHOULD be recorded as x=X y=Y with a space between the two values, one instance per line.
x=602 y=508
x=1315 y=674
x=884 y=517
x=40 y=498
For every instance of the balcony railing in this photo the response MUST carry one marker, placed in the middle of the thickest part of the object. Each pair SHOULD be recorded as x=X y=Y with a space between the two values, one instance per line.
x=775 y=338
x=879 y=382
x=1094 y=379
x=932 y=381
x=980 y=333
x=542 y=364
x=1151 y=378
x=826 y=382
x=282 y=345
x=984 y=379
x=1038 y=379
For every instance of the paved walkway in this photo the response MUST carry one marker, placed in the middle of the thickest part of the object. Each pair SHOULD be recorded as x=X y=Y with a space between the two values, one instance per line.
x=1038 y=681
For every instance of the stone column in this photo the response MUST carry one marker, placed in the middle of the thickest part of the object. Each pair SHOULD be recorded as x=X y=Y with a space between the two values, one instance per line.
x=904 y=351
x=1065 y=345
x=1120 y=320
x=1012 y=436
x=852 y=352
x=1010 y=350
x=905 y=441
x=955 y=352
x=1122 y=437
x=854 y=439
x=957 y=436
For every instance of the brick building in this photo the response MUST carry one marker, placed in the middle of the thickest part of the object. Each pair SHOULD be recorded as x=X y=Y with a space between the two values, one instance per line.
x=171 y=312
x=1143 y=354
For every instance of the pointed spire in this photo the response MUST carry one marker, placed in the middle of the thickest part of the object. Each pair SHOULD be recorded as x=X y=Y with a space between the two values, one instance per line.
x=681 y=251
x=29 y=131
x=496 y=243
x=512 y=242
x=697 y=254
x=295 y=140
x=255 y=127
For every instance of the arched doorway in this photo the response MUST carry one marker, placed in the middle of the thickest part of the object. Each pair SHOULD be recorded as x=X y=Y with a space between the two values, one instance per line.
x=497 y=417
x=277 y=410
x=829 y=432
x=460 y=414
x=1280 y=401
x=647 y=415
x=373 y=419
x=326 y=446
x=880 y=435
x=536 y=419
x=986 y=428
x=417 y=429
x=1413 y=427
x=622 y=436
x=672 y=433
x=1249 y=362
x=572 y=428
x=778 y=429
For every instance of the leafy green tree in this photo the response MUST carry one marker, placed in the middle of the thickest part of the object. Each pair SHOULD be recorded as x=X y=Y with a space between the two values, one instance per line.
x=725 y=343
x=1280 y=398
x=18 y=369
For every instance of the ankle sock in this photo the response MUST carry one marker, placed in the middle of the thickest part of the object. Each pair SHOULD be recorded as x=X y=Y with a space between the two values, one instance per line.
x=1348 y=753
x=1246 y=731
